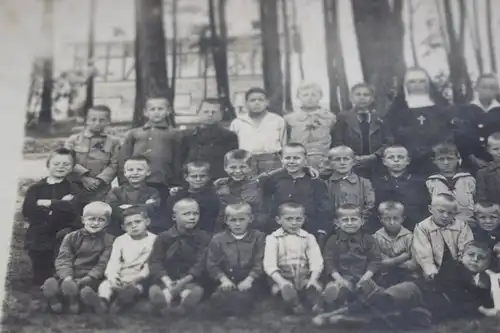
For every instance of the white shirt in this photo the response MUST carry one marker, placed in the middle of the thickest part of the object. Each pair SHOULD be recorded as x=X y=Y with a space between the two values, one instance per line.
x=268 y=136
x=129 y=257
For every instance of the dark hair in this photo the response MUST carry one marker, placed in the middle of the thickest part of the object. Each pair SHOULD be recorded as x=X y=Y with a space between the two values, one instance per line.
x=208 y=100
x=479 y=245
x=292 y=205
x=195 y=164
x=347 y=206
x=239 y=155
x=294 y=145
x=100 y=108
x=485 y=204
x=139 y=158
x=390 y=205
x=395 y=147
x=134 y=210
x=445 y=148
x=62 y=151
x=254 y=90
x=363 y=85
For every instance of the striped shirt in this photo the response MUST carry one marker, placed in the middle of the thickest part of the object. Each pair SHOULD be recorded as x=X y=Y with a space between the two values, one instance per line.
x=391 y=247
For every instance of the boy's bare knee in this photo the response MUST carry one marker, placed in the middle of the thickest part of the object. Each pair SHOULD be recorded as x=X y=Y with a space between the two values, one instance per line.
x=50 y=287
x=69 y=288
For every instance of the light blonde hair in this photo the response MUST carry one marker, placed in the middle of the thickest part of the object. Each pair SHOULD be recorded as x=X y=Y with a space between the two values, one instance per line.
x=310 y=86
x=97 y=207
x=237 y=208
x=341 y=149
x=390 y=206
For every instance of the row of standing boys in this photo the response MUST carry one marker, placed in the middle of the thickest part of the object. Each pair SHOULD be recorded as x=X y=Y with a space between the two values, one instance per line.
x=297 y=174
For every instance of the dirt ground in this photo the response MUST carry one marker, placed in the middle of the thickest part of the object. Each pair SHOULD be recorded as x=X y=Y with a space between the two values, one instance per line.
x=23 y=312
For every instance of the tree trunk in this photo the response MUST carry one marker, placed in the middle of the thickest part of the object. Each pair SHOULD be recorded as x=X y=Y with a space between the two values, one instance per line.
x=339 y=94
x=380 y=31
x=412 y=33
x=491 y=41
x=174 y=52
x=288 y=65
x=45 y=116
x=476 y=37
x=151 y=66
x=297 y=38
x=271 y=55
x=89 y=96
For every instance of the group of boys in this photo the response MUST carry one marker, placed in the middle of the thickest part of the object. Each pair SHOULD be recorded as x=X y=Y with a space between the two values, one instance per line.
x=317 y=234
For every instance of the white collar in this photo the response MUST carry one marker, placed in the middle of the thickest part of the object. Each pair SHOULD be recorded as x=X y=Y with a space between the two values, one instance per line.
x=494 y=104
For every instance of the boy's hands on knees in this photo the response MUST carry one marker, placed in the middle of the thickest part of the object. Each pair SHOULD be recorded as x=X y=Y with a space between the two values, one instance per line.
x=167 y=281
x=84 y=281
x=342 y=281
x=246 y=284
x=44 y=203
x=178 y=285
x=367 y=276
x=226 y=284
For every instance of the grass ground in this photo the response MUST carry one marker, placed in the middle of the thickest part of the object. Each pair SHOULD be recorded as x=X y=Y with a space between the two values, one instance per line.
x=23 y=312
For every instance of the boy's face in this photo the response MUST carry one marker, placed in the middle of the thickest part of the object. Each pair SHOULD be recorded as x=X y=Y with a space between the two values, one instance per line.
x=487 y=89
x=97 y=121
x=238 y=170
x=136 y=225
x=494 y=149
x=396 y=159
x=210 y=113
x=350 y=221
x=291 y=219
x=392 y=220
x=488 y=218
x=475 y=259
x=293 y=159
x=309 y=98
x=186 y=215
x=93 y=222
x=136 y=172
x=341 y=162
x=238 y=222
x=443 y=212
x=257 y=102
x=59 y=166
x=157 y=109
x=446 y=163
x=196 y=177
x=361 y=97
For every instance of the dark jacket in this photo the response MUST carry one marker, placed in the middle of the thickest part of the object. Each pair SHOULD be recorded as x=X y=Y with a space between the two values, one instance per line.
x=488 y=183
x=348 y=133
x=44 y=223
x=208 y=144
x=351 y=255
x=236 y=258
x=280 y=188
x=84 y=254
x=410 y=190
x=207 y=200
x=177 y=254
x=130 y=195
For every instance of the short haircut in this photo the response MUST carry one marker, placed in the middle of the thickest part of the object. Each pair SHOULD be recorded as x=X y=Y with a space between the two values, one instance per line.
x=294 y=145
x=134 y=210
x=139 y=158
x=445 y=149
x=310 y=86
x=195 y=164
x=486 y=205
x=237 y=207
x=290 y=205
x=443 y=196
x=99 y=208
x=184 y=201
x=341 y=149
x=478 y=245
x=395 y=147
x=363 y=85
x=494 y=137
x=101 y=108
x=347 y=206
x=63 y=152
x=238 y=155
x=254 y=90
x=385 y=206
x=208 y=100
x=485 y=76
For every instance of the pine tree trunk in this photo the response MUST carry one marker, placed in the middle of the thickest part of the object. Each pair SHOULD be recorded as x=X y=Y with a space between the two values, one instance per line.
x=380 y=31
x=288 y=66
x=491 y=41
x=151 y=66
x=45 y=116
x=271 y=55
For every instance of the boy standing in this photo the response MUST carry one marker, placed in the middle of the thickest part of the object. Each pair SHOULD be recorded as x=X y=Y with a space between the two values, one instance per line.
x=209 y=141
x=488 y=178
x=234 y=259
x=199 y=188
x=178 y=259
x=293 y=184
x=260 y=132
x=292 y=259
x=351 y=259
x=127 y=272
x=440 y=238
x=96 y=155
x=81 y=262
x=51 y=213
x=134 y=192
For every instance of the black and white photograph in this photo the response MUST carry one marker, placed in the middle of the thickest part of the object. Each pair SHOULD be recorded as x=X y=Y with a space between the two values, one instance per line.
x=254 y=166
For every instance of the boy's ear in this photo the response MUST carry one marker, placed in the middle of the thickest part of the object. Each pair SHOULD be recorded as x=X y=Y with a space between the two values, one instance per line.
x=147 y=222
x=277 y=218
x=430 y=208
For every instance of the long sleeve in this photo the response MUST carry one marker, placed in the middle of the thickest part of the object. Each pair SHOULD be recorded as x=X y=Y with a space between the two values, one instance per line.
x=30 y=209
x=369 y=198
x=215 y=257
x=387 y=138
x=70 y=143
x=109 y=172
x=324 y=209
x=337 y=132
x=126 y=151
x=481 y=193
x=270 y=261
x=330 y=257
x=113 y=266
x=201 y=258
x=97 y=272
x=314 y=255
x=156 y=259
x=64 y=261
x=422 y=248
x=258 y=257
x=464 y=237
x=374 y=255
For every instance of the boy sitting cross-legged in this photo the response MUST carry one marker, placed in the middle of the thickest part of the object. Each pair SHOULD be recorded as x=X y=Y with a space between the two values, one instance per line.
x=292 y=259
x=234 y=259
x=81 y=262
x=351 y=257
x=134 y=192
x=177 y=262
x=127 y=272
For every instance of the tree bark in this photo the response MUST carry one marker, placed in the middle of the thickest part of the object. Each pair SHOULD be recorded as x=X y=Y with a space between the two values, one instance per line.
x=45 y=116
x=380 y=32
x=89 y=96
x=491 y=41
x=288 y=65
x=271 y=55
x=151 y=65
x=339 y=92
x=412 y=33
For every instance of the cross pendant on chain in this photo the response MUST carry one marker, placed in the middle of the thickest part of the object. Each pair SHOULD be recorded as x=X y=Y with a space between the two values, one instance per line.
x=421 y=119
